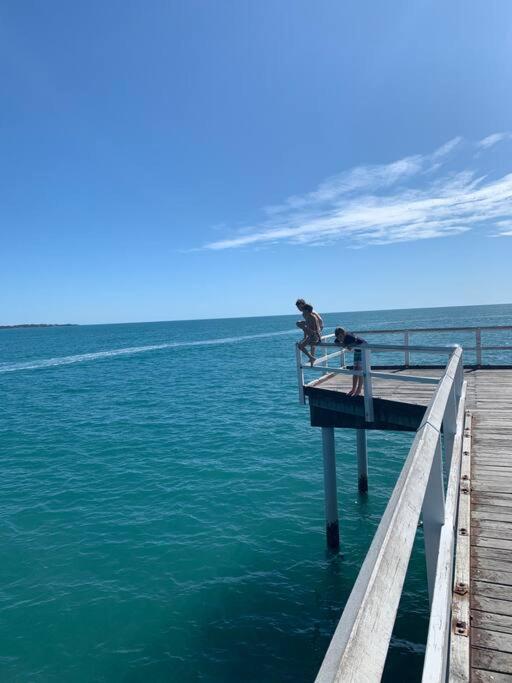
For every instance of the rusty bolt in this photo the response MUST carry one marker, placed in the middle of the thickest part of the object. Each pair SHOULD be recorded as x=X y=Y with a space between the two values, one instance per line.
x=461 y=588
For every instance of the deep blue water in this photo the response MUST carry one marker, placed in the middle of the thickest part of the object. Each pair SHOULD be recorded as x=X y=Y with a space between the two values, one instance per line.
x=162 y=504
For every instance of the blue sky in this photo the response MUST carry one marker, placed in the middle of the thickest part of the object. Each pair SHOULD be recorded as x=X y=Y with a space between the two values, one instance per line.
x=184 y=159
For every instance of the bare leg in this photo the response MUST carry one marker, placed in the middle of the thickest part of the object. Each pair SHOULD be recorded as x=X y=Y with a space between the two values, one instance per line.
x=302 y=347
x=359 y=385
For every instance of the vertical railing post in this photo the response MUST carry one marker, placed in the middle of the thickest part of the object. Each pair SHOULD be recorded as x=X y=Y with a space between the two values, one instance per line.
x=433 y=517
x=331 y=496
x=300 y=374
x=362 y=460
x=406 y=351
x=459 y=378
x=478 y=344
x=450 y=425
x=367 y=381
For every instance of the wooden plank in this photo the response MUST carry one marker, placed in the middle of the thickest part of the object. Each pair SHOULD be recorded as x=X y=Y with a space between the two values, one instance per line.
x=485 y=542
x=493 y=576
x=481 y=676
x=489 y=563
x=491 y=622
x=460 y=644
x=492 y=640
x=491 y=513
x=491 y=590
x=491 y=605
x=501 y=662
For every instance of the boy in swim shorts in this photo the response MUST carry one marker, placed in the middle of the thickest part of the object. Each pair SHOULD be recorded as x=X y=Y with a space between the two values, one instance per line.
x=348 y=341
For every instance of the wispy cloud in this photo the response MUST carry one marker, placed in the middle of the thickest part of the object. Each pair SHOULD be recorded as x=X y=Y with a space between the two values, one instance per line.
x=494 y=139
x=417 y=197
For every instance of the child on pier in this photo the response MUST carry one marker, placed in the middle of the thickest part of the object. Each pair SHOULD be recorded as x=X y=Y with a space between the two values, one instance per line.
x=348 y=341
x=311 y=328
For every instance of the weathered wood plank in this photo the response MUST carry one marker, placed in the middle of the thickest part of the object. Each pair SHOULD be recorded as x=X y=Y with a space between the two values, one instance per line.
x=460 y=644
x=491 y=590
x=503 y=578
x=501 y=662
x=491 y=605
x=486 y=542
x=482 y=676
x=491 y=621
x=492 y=640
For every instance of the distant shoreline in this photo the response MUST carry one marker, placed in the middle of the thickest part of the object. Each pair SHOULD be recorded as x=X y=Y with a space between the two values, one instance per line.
x=10 y=327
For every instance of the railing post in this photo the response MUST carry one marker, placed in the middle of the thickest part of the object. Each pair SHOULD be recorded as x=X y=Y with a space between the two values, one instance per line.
x=459 y=378
x=362 y=460
x=367 y=381
x=406 y=352
x=331 y=497
x=450 y=426
x=478 y=344
x=433 y=517
x=300 y=374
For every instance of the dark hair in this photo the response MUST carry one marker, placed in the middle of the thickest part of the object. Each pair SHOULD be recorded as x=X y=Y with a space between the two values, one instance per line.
x=300 y=302
x=308 y=308
x=339 y=331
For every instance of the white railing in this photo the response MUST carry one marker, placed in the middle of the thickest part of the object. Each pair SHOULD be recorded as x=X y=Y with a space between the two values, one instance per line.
x=406 y=334
x=359 y=647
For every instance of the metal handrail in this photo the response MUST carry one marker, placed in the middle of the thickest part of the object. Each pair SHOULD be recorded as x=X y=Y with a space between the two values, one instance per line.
x=360 y=643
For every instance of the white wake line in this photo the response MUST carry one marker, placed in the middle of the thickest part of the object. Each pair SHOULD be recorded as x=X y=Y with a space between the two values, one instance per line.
x=80 y=358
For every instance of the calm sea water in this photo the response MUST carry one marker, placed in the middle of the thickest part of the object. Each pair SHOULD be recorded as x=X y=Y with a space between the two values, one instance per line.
x=162 y=504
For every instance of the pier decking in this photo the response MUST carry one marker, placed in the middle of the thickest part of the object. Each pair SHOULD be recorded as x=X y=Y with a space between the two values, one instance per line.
x=489 y=397
x=465 y=412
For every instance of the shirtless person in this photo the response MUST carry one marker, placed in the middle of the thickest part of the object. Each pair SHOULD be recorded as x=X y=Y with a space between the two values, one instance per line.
x=311 y=330
x=300 y=303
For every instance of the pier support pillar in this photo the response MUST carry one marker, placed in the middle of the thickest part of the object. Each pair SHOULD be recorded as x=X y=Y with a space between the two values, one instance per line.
x=433 y=517
x=331 y=497
x=362 y=461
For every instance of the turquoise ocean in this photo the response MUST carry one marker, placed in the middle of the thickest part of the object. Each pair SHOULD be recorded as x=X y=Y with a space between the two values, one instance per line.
x=162 y=503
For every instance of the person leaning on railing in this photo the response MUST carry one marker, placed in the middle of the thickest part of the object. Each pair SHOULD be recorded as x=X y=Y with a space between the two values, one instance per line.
x=349 y=341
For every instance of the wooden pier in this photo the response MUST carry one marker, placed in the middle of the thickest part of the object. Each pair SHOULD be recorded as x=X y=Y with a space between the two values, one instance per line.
x=462 y=415
x=489 y=398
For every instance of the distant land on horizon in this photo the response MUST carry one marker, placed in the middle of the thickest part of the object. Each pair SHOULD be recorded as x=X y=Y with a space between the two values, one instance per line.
x=10 y=327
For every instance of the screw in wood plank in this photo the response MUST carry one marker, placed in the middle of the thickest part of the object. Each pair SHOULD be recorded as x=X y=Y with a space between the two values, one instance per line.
x=461 y=588
x=465 y=477
x=463 y=531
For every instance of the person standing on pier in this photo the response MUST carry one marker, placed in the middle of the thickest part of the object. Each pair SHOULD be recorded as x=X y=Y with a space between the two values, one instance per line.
x=348 y=341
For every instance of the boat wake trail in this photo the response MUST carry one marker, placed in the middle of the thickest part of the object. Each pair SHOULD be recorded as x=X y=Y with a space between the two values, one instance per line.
x=98 y=355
